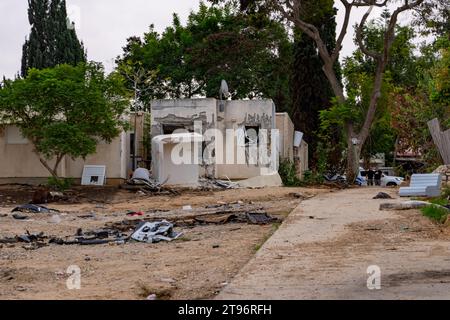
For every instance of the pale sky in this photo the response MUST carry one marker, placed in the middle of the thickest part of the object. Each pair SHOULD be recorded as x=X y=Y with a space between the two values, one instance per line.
x=103 y=26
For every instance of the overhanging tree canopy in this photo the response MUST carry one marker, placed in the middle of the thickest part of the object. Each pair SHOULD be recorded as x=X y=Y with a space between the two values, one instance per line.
x=65 y=111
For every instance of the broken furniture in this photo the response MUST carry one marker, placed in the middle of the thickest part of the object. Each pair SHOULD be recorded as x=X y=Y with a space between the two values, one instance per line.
x=423 y=185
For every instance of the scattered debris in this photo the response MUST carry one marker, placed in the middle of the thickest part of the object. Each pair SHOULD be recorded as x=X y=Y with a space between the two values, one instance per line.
x=216 y=246
x=19 y=216
x=88 y=216
x=135 y=214
x=372 y=229
x=260 y=218
x=153 y=232
x=382 y=195
x=148 y=186
x=45 y=196
x=55 y=219
x=151 y=297
x=33 y=208
x=216 y=219
x=209 y=184
x=102 y=236
x=187 y=208
x=8 y=240
x=20 y=288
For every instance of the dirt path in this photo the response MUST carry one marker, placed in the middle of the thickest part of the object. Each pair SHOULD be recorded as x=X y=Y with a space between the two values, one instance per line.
x=323 y=250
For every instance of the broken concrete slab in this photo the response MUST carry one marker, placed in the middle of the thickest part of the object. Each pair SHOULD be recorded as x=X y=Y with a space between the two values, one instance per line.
x=272 y=180
x=408 y=205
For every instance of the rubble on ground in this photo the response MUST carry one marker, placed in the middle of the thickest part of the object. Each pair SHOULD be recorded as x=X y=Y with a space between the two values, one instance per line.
x=216 y=184
x=152 y=226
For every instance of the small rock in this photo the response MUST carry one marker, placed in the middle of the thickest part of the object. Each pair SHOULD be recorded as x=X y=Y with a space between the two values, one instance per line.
x=187 y=208
x=20 y=288
x=87 y=259
x=296 y=195
x=55 y=219
x=151 y=297
x=168 y=280
x=216 y=246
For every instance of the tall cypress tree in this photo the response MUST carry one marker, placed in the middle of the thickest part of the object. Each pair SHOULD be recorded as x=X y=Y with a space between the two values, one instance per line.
x=311 y=91
x=51 y=41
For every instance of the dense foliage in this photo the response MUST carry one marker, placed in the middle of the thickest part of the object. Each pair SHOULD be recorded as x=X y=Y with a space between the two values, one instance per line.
x=218 y=42
x=52 y=39
x=65 y=110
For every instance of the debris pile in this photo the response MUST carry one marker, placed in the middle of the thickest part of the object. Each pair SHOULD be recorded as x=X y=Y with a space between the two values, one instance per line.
x=382 y=195
x=216 y=184
x=148 y=187
x=92 y=237
x=149 y=227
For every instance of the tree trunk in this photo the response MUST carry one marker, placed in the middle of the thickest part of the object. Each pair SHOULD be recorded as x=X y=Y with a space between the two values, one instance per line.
x=53 y=172
x=354 y=148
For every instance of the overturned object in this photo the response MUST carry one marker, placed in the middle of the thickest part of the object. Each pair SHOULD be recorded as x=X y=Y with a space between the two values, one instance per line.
x=152 y=232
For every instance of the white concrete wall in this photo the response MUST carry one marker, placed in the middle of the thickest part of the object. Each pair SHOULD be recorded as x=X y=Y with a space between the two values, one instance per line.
x=286 y=127
x=18 y=162
x=241 y=113
x=235 y=114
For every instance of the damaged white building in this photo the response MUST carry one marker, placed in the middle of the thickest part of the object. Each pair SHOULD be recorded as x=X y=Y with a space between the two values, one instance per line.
x=232 y=139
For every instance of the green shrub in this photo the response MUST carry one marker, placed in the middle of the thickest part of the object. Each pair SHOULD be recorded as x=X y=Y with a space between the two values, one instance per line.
x=288 y=174
x=446 y=193
x=436 y=213
x=60 y=184
x=312 y=178
x=290 y=179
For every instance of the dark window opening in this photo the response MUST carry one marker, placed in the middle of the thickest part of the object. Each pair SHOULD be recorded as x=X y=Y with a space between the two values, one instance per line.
x=251 y=135
x=94 y=179
x=132 y=145
x=169 y=129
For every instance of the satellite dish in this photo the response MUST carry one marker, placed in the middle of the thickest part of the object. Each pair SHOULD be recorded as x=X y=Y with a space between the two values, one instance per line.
x=224 y=92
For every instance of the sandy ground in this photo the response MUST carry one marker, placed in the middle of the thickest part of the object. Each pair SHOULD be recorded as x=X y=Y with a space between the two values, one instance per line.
x=197 y=266
x=323 y=250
